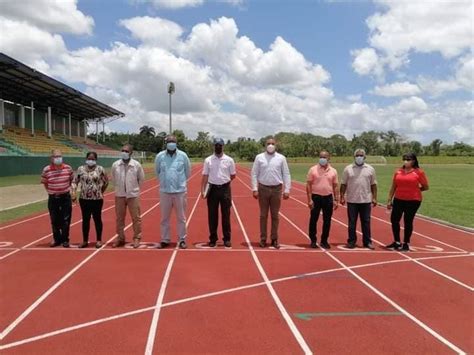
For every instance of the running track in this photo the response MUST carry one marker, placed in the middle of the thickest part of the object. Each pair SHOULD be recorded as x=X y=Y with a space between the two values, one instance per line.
x=239 y=300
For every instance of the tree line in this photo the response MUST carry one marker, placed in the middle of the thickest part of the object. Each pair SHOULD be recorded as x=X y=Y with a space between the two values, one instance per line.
x=291 y=144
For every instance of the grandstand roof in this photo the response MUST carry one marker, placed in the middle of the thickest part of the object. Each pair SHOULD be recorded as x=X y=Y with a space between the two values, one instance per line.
x=21 y=84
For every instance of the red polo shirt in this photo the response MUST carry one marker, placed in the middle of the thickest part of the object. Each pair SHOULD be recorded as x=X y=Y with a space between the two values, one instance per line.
x=407 y=185
x=57 y=179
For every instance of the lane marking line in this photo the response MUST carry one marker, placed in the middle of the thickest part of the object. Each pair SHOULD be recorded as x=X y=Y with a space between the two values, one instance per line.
x=208 y=295
x=159 y=301
x=296 y=333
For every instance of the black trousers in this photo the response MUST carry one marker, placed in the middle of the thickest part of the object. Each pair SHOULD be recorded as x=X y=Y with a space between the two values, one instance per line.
x=326 y=204
x=60 y=212
x=91 y=208
x=408 y=210
x=219 y=195
x=353 y=211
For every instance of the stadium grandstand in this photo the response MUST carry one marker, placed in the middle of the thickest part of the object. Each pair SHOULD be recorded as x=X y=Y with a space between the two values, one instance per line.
x=39 y=113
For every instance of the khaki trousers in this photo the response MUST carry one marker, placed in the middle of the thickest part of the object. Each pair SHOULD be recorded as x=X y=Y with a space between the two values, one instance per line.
x=133 y=204
x=269 y=198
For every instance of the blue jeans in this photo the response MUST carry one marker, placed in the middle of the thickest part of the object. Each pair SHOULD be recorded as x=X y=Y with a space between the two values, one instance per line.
x=363 y=210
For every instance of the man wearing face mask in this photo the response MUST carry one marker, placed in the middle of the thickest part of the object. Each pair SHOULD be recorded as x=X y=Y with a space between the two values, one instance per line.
x=359 y=189
x=218 y=171
x=172 y=168
x=128 y=176
x=270 y=175
x=57 y=179
x=322 y=191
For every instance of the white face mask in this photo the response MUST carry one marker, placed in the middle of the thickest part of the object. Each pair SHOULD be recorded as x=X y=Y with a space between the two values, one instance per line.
x=359 y=160
x=91 y=163
x=58 y=161
x=271 y=148
x=125 y=155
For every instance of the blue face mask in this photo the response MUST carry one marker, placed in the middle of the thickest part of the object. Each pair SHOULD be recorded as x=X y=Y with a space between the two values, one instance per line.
x=323 y=161
x=58 y=160
x=171 y=146
x=125 y=155
x=359 y=160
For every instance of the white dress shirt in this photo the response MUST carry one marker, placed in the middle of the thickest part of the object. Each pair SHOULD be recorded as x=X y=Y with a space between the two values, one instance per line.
x=271 y=170
x=127 y=178
x=219 y=169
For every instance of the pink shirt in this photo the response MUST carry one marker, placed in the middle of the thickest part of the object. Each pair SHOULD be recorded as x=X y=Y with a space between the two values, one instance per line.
x=322 y=180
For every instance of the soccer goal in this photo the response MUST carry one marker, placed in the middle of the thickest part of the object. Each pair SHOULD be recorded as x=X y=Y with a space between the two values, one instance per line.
x=376 y=159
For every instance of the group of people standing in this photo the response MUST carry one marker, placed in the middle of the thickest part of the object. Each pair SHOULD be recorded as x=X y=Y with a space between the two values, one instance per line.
x=270 y=180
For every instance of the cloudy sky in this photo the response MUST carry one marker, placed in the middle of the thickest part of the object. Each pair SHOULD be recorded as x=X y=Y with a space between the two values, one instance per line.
x=256 y=67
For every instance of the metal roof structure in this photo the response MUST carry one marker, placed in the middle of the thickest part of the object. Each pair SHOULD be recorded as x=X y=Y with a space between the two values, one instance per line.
x=21 y=84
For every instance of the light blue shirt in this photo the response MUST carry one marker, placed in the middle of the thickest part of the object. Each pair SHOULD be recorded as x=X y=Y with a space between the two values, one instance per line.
x=172 y=171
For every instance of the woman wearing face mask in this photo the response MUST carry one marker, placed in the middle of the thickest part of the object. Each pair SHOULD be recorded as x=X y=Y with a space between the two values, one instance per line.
x=405 y=198
x=93 y=181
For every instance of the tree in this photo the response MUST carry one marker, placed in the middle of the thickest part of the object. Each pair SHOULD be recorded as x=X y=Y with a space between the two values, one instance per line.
x=203 y=143
x=435 y=146
x=147 y=131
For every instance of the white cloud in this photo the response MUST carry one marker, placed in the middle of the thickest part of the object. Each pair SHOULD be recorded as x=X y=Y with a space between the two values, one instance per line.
x=29 y=44
x=412 y=104
x=54 y=16
x=179 y=4
x=405 y=27
x=154 y=31
x=397 y=89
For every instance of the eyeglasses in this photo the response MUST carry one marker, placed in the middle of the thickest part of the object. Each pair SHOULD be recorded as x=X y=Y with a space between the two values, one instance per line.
x=359 y=155
x=407 y=159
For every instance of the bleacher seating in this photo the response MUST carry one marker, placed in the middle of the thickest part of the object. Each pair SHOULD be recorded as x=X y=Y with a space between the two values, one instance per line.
x=90 y=145
x=38 y=144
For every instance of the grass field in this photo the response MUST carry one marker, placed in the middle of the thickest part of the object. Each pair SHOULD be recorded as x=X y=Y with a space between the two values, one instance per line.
x=450 y=198
x=451 y=194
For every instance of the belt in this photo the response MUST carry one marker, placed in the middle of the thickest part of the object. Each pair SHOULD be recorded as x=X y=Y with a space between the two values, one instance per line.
x=66 y=194
x=270 y=186
x=220 y=186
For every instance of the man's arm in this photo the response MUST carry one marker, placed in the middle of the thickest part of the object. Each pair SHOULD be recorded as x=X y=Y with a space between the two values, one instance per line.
x=309 y=194
x=253 y=176
x=373 y=189
x=286 y=179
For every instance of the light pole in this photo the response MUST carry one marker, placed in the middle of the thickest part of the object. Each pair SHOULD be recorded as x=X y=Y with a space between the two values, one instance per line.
x=171 y=92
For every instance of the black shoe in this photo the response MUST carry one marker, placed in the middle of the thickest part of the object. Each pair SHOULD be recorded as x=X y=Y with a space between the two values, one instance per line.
x=211 y=244
x=275 y=244
x=83 y=245
x=394 y=245
x=182 y=245
x=98 y=244
x=325 y=245
x=227 y=244
x=162 y=245
x=262 y=244
x=351 y=245
x=313 y=245
x=369 y=246
x=66 y=245
x=54 y=244
x=405 y=247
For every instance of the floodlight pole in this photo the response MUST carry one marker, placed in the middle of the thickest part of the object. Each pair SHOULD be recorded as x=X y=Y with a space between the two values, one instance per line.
x=171 y=90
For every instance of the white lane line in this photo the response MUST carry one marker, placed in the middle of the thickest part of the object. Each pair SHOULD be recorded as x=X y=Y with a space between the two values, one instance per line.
x=208 y=295
x=450 y=278
x=72 y=224
x=421 y=217
x=43 y=215
x=32 y=307
x=391 y=302
x=159 y=301
x=296 y=333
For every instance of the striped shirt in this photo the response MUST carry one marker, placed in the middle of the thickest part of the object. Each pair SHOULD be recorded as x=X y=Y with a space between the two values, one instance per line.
x=57 y=179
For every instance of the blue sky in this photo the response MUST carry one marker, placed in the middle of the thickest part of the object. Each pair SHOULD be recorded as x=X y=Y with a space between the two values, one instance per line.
x=256 y=67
